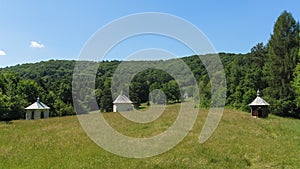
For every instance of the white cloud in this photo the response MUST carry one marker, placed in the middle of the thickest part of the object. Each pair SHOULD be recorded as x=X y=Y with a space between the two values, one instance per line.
x=2 y=53
x=34 y=44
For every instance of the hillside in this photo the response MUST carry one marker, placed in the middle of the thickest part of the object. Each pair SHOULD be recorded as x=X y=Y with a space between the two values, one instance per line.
x=239 y=142
x=52 y=82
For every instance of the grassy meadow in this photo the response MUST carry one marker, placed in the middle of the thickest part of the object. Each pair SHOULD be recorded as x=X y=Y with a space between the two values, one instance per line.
x=239 y=142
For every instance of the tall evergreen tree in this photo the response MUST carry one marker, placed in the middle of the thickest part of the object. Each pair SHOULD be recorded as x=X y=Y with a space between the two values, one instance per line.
x=281 y=61
x=106 y=99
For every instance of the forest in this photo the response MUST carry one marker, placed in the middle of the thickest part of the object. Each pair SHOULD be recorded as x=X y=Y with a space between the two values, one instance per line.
x=273 y=68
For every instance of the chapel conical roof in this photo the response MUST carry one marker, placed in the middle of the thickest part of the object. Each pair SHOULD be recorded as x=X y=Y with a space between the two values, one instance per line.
x=122 y=98
x=258 y=101
x=38 y=105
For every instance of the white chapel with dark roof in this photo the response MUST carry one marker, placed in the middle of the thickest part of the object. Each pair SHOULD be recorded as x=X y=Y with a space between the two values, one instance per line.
x=259 y=107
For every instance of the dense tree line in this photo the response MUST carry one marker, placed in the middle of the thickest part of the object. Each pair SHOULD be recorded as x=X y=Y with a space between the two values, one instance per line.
x=21 y=85
x=273 y=68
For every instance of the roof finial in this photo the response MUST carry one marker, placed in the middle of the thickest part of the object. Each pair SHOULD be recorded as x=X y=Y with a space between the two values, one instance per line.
x=121 y=93
x=38 y=99
x=258 y=93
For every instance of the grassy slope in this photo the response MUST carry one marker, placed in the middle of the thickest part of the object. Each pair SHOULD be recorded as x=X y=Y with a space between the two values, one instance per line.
x=239 y=142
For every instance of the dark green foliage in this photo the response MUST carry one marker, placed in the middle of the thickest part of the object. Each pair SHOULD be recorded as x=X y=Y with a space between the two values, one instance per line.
x=296 y=87
x=106 y=98
x=29 y=90
x=153 y=79
x=22 y=84
x=280 y=64
x=171 y=90
x=244 y=77
x=270 y=68
x=11 y=104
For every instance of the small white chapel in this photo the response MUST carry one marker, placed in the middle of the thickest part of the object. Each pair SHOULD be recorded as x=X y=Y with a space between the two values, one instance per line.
x=122 y=103
x=37 y=110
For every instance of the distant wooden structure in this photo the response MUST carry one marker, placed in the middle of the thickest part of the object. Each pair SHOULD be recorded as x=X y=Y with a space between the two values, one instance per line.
x=259 y=107
x=37 y=110
x=186 y=95
x=122 y=103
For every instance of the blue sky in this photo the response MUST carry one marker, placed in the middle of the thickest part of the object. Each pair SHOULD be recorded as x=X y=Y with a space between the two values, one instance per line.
x=33 y=31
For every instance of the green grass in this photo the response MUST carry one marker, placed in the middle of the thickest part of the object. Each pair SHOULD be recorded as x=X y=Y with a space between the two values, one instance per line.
x=239 y=142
